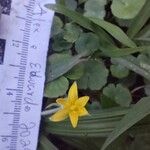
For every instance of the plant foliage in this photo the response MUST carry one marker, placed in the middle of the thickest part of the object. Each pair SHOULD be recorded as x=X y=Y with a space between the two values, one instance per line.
x=105 y=47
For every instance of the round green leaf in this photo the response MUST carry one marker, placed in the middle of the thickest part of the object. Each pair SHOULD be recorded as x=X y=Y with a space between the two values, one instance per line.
x=119 y=71
x=118 y=94
x=126 y=9
x=57 y=26
x=87 y=42
x=59 y=64
x=59 y=44
x=76 y=72
x=95 y=75
x=106 y=102
x=71 y=32
x=56 y=88
x=95 y=8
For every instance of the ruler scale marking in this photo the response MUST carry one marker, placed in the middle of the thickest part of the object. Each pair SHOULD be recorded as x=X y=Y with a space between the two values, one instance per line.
x=22 y=74
x=22 y=59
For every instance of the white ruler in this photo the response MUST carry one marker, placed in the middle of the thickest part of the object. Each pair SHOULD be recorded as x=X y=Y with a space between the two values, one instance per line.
x=24 y=37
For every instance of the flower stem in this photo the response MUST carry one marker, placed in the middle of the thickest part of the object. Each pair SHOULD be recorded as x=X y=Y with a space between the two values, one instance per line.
x=49 y=112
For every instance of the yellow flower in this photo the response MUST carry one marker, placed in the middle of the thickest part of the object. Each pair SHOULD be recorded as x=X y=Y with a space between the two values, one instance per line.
x=72 y=106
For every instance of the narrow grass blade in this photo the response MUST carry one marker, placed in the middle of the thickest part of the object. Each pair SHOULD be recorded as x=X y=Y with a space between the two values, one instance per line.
x=138 y=112
x=139 y=20
x=98 y=124
x=131 y=63
x=115 y=31
x=119 y=52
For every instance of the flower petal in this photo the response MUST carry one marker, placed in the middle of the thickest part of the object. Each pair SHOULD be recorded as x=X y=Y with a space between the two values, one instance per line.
x=73 y=118
x=73 y=92
x=82 y=101
x=59 y=115
x=83 y=112
x=61 y=101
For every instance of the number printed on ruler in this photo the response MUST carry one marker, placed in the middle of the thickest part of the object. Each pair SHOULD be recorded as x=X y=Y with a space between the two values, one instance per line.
x=24 y=37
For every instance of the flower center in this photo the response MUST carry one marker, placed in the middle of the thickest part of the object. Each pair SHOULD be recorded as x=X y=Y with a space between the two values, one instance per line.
x=73 y=108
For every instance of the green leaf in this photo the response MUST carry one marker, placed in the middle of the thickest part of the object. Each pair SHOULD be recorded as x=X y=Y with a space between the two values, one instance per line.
x=138 y=112
x=132 y=63
x=115 y=31
x=82 y=143
x=99 y=123
x=139 y=21
x=144 y=34
x=82 y=21
x=71 y=32
x=56 y=26
x=118 y=94
x=118 y=52
x=59 y=64
x=75 y=16
x=46 y=144
x=106 y=102
x=119 y=71
x=106 y=43
x=59 y=44
x=76 y=72
x=62 y=2
x=144 y=61
x=124 y=22
x=87 y=42
x=56 y=88
x=126 y=9
x=95 y=8
x=95 y=75
x=71 y=4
